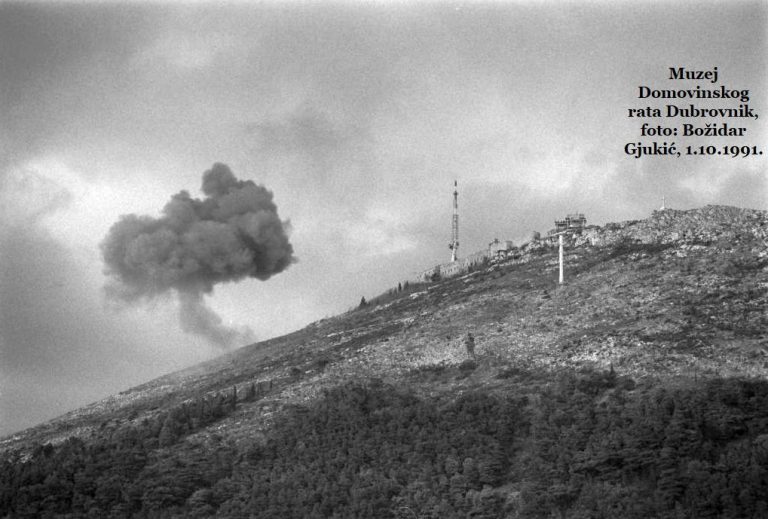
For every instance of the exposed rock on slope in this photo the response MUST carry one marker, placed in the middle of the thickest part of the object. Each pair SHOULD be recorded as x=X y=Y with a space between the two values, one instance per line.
x=727 y=226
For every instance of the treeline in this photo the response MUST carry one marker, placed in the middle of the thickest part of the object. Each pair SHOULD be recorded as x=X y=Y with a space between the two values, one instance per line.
x=403 y=288
x=587 y=446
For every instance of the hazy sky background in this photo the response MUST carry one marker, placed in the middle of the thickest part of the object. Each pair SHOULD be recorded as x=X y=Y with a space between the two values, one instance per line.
x=357 y=117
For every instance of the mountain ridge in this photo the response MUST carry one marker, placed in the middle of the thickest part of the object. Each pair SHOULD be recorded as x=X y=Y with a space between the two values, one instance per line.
x=680 y=294
x=637 y=389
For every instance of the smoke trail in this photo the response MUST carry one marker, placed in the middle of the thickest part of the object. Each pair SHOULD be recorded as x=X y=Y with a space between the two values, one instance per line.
x=231 y=234
x=197 y=318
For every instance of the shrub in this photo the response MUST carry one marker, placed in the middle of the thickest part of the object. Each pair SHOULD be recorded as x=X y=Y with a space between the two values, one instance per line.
x=430 y=368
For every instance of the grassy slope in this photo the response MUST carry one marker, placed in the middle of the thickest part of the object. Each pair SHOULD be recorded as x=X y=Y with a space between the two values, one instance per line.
x=689 y=302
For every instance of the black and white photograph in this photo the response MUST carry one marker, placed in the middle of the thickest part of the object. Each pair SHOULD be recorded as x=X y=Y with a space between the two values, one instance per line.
x=402 y=259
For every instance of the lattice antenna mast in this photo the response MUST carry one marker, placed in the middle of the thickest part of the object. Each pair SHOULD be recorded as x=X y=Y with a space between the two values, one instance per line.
x=454 y=245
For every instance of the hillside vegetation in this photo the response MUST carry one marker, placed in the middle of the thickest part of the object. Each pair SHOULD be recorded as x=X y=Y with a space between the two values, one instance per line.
x=636 y=389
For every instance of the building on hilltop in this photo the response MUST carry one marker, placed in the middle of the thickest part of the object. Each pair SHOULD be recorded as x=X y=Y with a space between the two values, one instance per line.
x=573 y=223
x=500 y=248
x=496 y=250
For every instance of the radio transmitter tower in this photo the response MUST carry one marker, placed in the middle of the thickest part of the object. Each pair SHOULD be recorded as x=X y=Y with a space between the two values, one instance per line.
x=454 y=245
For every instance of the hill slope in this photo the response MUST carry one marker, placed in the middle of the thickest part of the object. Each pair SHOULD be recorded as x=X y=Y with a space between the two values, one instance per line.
x=677 y=301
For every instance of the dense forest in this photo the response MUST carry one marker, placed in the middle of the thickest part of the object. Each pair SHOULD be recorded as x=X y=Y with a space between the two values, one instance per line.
x=585 y=445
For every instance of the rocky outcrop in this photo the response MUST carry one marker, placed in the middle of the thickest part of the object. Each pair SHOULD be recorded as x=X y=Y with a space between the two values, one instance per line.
x=713 y=224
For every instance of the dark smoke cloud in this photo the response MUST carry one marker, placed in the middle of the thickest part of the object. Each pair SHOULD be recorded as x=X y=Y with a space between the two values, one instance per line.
x=232 y=234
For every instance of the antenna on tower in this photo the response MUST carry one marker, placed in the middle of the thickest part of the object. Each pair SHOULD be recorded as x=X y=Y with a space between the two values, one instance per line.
x=454 y=245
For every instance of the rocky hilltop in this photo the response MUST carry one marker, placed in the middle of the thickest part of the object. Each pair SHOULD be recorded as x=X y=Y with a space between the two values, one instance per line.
x=728 y=226
x=677 y=299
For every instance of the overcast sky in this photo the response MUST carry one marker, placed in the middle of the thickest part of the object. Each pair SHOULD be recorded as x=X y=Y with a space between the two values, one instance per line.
x=358 y=117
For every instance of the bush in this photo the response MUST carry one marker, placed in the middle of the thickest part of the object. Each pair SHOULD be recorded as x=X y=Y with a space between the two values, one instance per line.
x=628 y=245
x=430 y=368
x=743 y=261
x=509 y=373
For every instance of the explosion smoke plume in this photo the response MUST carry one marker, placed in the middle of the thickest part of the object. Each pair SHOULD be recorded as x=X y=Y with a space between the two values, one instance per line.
x=233 y=233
